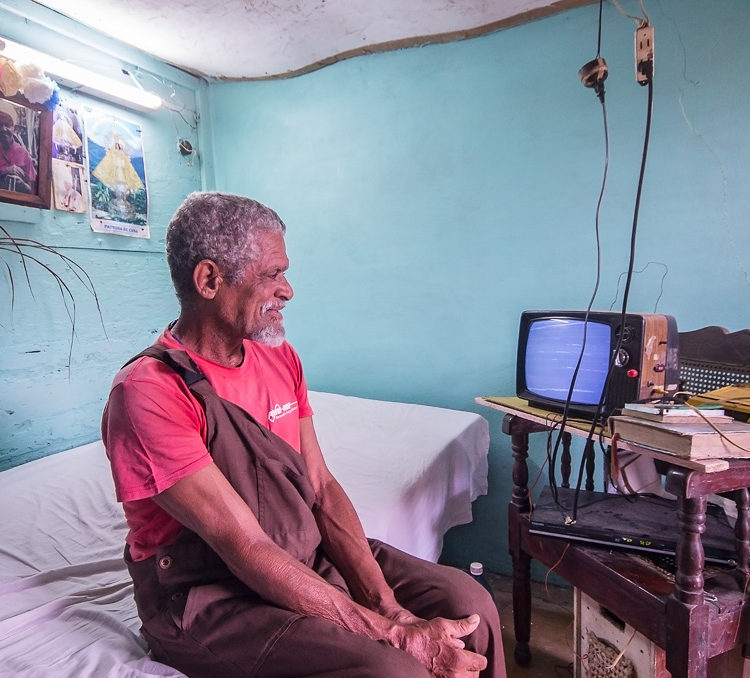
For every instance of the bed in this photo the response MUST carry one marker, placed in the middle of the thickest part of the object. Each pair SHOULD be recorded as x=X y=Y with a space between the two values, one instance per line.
x=66 y=607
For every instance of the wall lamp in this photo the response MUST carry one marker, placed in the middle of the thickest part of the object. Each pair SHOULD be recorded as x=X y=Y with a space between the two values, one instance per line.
x=80 y=79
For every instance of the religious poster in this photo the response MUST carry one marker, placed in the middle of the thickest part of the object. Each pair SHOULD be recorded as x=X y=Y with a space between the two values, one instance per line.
x=117 y=176
x=68 y=170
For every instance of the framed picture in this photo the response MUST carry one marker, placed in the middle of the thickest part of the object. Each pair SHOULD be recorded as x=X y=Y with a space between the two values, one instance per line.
x=25 y=153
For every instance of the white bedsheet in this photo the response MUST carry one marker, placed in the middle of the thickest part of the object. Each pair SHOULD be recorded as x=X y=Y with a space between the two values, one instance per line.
x=411 y=471
x=66 y=606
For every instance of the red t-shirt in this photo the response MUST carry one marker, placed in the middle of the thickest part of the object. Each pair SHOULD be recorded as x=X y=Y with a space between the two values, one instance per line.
x=154 y=430
x=19 y=156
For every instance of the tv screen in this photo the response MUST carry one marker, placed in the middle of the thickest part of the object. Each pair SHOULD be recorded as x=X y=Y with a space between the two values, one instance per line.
x=553 y=349
x=550 y=344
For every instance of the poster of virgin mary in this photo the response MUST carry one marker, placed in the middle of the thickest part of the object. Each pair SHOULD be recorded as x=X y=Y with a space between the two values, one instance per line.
x=117 y=171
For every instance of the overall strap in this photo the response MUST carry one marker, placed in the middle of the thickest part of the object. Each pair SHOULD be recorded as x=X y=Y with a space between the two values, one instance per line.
x=197 y=383
x=267 y=473
x=177 y=359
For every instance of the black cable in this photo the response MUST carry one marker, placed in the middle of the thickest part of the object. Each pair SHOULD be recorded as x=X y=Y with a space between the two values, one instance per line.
x=598 y=85
x=649 y=111
x=626 y=291
x=597 y=221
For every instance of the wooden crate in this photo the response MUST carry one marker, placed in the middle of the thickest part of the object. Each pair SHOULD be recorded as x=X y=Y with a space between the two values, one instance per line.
x=600 y=637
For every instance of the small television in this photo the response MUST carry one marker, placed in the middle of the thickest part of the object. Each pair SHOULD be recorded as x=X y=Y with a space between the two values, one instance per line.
x=643 y=354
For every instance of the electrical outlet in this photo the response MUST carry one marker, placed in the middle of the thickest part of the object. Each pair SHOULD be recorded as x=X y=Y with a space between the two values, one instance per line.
x=644 y=54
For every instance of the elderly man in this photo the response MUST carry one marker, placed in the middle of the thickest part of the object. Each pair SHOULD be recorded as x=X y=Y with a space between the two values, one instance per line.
x=17 y=171
x=247 y=557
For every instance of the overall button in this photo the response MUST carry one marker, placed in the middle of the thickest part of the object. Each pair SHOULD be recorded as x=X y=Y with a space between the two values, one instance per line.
x=165 y=562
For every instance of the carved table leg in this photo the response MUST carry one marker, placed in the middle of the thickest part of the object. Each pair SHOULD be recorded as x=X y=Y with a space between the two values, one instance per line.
x=742 y=530
x=518 y=510
x=590 y=456
x=742 y=544
x=691 y=514
x=521 y=592
x=687 y=612
x=565 y=459
x=519 y=441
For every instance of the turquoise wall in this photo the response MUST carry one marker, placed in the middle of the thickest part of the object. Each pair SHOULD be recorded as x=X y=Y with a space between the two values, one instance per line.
x=49 y=402
x=432 y=194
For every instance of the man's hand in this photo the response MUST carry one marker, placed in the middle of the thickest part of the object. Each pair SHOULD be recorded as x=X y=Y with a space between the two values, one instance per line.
x=13 y=171
x=437 y=645
x=17 y=175
x=397 y=613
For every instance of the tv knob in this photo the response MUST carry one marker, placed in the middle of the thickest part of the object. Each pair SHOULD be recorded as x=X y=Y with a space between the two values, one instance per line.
x=627 y=333
x=623 y=358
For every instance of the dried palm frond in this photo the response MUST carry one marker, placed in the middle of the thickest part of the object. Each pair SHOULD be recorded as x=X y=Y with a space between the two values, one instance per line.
x=28 y=250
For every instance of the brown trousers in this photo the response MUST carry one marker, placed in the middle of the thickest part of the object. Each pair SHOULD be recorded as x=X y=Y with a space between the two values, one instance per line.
x=200 y=619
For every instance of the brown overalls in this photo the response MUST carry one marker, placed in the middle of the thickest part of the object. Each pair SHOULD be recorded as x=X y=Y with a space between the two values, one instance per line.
x=200 y=619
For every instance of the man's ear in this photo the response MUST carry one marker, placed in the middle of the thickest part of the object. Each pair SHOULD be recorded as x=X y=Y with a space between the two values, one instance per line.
x=207 y=278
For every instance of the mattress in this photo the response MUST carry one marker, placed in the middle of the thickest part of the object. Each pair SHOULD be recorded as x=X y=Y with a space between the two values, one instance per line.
x=66 y=606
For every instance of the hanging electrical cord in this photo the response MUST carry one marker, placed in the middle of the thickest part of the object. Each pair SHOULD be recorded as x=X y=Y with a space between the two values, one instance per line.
x=600 y=415
x=597 y=229
x=593 y=74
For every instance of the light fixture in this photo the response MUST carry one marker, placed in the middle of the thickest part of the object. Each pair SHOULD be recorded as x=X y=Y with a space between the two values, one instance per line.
x=81 y=79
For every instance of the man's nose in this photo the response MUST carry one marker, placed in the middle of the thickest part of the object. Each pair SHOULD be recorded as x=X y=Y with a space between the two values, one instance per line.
x=285 y=292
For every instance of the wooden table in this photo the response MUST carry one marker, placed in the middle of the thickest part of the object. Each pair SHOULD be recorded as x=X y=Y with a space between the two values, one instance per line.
x=693 y=619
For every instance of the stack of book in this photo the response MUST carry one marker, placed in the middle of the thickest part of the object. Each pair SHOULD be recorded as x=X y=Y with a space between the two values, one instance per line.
x=702 y=433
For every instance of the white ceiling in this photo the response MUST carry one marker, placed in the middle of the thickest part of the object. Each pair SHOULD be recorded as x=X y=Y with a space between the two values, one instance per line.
x=255 y=39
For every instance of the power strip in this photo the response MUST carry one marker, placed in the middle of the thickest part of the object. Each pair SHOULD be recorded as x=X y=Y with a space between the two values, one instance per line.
x=644 y=54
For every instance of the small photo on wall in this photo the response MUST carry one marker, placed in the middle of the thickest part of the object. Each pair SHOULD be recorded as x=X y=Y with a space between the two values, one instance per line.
x=69 y=186
x=67 y=134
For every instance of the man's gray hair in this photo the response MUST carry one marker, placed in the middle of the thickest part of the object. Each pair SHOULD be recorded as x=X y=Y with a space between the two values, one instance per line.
x=221 y=227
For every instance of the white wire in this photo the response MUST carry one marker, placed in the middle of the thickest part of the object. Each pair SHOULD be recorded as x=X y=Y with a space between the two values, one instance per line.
x=641 y=21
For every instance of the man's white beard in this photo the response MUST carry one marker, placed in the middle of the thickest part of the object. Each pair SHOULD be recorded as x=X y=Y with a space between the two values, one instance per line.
x=271 y=336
